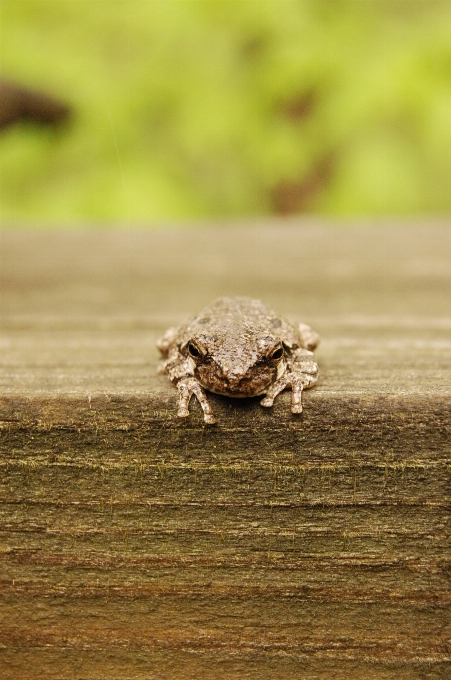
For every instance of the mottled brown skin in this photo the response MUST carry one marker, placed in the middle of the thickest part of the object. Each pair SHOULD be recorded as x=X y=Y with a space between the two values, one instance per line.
x=239 y=348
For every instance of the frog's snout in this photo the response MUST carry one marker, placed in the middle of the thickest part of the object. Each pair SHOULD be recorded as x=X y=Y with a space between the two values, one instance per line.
x=232 y=376
x=233 y=381
x=233 y=373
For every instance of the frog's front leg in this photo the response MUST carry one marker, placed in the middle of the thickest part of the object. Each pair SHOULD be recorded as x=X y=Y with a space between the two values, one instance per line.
x=297 y=382
x=301 y=373
x=275 y=389
x=304 y=374
x=180 y=370
x=187 y=387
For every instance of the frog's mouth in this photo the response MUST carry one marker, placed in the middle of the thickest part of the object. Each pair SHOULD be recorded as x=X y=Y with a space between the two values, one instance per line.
x=238 y=393
x=252 y=385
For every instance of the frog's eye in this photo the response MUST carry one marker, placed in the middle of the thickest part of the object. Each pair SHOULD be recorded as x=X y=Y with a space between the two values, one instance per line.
x=277 y=354
x=193 y=350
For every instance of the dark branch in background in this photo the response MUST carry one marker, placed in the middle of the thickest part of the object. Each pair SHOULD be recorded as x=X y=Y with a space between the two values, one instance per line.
x=300 y=107
x=297 y=195
x=19 y=104
x=290 y=197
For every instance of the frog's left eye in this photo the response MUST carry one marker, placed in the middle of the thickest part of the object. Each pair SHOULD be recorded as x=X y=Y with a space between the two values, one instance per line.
x=277 y=354
x=193 y=350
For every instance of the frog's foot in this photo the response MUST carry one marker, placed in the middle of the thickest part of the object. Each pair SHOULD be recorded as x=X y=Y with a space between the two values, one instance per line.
x=187 y=387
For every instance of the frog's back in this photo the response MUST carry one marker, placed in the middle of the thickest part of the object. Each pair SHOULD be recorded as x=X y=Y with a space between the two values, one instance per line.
x=241 y=308
x=233 y=311
x=229 y=315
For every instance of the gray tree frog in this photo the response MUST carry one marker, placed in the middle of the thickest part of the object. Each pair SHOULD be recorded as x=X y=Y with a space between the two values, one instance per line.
x=239 y=348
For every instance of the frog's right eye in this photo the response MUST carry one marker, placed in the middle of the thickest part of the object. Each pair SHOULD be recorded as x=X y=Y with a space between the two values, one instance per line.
x=277 y=354
x=193 y=350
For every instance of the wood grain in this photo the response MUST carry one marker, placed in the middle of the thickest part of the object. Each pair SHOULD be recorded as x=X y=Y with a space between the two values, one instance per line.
x=138 y=545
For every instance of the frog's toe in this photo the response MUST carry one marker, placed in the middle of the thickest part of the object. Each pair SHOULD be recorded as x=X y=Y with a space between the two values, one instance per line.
x=182 y=412
x=296 y=408
x=267 y=401
x=209 y=419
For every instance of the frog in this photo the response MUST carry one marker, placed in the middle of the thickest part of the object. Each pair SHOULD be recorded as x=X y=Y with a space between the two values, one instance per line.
x=238 y=347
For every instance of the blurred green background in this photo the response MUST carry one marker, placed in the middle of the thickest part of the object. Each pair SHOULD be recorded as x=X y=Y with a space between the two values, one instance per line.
x=203 y=108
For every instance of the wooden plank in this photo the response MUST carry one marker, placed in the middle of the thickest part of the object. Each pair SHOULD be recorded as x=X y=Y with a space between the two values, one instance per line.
x=136 y=544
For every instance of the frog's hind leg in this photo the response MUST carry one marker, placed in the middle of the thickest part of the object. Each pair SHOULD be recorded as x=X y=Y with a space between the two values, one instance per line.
x=309 y=339
x=161 y=367
x=187 y=387
x=165 y=341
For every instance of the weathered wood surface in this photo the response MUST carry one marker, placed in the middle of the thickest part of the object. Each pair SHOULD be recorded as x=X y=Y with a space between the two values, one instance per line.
x=138 y=545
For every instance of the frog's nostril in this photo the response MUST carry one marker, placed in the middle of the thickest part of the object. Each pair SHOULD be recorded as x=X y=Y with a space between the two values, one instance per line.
x=235 y=377
x=220 y=370
x=232 y=375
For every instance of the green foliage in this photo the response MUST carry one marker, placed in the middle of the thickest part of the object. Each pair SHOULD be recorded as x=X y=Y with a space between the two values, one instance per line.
x=187 y=108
